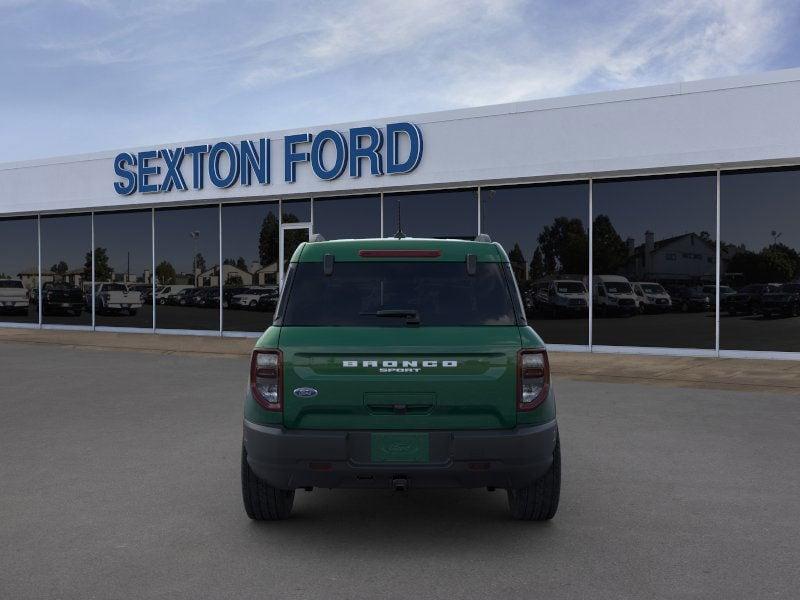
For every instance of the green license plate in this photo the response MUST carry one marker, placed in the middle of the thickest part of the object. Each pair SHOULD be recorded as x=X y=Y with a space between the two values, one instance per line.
x=400 y=447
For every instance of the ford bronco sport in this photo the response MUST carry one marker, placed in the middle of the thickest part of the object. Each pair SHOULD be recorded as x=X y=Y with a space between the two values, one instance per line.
x=400 y=363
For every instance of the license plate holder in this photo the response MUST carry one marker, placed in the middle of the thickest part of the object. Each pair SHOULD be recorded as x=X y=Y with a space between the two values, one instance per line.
x=400 y=447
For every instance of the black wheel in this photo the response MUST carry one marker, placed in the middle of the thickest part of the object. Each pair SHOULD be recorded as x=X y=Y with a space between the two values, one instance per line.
x=539 y=501
x=262 y=502
x=253 y=303
x=132 y=312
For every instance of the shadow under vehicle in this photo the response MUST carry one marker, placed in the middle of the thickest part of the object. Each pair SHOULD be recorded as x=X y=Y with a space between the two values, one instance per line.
x=14 y=298
x=689 y=299
x=613 y=295
x=562 y=297
x=651 y=297
x=62 y=298
x=785 y=301
x=747 y=300
x=207 y=297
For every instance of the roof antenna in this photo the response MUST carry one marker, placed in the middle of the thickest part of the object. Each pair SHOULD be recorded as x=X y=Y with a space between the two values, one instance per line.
x=399 y=235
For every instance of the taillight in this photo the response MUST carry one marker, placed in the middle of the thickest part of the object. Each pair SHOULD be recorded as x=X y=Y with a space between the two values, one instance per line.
x=265 y=378
x=533 y=382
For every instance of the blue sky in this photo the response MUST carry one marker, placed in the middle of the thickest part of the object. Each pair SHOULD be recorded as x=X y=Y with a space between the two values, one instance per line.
x=88 y=75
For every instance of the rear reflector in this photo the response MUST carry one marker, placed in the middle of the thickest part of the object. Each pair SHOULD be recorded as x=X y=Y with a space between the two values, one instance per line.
x=400 y=253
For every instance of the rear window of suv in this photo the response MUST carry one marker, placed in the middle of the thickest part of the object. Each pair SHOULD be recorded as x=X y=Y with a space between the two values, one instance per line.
x=440 y=293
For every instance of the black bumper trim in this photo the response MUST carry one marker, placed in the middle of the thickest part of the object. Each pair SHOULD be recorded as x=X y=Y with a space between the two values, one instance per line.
x=504 y=458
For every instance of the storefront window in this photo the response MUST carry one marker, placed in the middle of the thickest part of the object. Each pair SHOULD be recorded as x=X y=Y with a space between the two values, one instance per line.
x=187 y=268
x=19 y=270
x=249 y=265
x=123 y=265
x=296 y=211
x=67 y=269
x=348 y=218
x=760 y=260
x=544 y=230
x=654 y=261
x=446 y=214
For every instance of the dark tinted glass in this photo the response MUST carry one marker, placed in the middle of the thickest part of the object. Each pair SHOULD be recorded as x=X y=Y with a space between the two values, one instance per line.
x=296 y=211
x=760 y=231
x=250 y=265
x=123 y=268
x=19 y=270
x=66 y=269
x=449 y=214
x=187 y=257
x=544 y=230
x=655 y=231
x=348 y=218
x=384 y=294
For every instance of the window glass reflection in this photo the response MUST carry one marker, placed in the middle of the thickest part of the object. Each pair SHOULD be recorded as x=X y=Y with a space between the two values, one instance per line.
x=760 y=260
x=187 y=268
x=296 y=211
x=654 y=261
x=66 y=269
x=249 y=265
x=123 y=292
x=446 y=214
x=348 y=218
x=19 y=270
x=544 y=230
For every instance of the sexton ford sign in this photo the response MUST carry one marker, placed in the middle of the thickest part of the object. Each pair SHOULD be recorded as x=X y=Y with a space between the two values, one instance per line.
x=226 y=164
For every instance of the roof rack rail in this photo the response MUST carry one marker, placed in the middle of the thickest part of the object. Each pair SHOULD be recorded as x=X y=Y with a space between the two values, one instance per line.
x=482 y=237
x=316 y=237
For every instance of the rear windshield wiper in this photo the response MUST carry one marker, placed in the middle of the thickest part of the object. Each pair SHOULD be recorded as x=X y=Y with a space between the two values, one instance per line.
x=411 y=314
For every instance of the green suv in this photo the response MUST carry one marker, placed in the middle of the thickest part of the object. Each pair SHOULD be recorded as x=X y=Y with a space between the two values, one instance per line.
x=400 y=363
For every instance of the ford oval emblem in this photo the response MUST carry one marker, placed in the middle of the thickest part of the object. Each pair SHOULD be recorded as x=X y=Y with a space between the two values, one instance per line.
x=305 y=392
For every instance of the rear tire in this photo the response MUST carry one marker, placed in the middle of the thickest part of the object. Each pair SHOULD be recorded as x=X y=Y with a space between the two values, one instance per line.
x=539 y=501
x=262 y=502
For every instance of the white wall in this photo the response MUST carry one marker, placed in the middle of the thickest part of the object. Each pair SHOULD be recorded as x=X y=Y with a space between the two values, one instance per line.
x=725 y=122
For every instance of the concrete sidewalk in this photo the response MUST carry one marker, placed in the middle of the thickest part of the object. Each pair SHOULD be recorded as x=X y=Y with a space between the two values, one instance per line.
x=705 y=373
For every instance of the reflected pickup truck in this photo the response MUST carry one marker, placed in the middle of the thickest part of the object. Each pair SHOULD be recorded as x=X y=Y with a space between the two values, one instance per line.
x=14 y=298
x=400 y=364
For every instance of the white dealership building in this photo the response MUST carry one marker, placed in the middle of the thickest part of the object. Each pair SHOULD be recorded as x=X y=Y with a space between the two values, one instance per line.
x=701 y=178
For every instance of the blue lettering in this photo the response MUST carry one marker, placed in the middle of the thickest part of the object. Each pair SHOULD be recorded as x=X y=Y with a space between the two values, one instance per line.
x=213 y=164
x=173 y=176
x=317 y=149
x=122 y=159
x=371 y=151
x=254 y=162
x=393 y=132
x=197 y=153
x=290 y=157
x=146 y=170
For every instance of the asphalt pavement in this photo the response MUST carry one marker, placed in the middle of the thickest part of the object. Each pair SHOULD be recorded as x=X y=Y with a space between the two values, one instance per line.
x=119 y=478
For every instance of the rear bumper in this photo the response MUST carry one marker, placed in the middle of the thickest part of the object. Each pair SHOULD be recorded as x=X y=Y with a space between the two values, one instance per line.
x=508 y=458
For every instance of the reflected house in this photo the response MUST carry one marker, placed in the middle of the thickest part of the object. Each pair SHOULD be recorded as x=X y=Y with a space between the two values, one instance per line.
x=210 y=277
x=28 y=277
x=686 y=258
x=266 y=275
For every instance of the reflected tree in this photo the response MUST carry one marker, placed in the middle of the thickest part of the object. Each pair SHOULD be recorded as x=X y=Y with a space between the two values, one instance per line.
x=268 y=240
x=610 y=252
x=102 y=270
x=60 y=268
x=517 y=260
x=165 y=273
x=565 y=246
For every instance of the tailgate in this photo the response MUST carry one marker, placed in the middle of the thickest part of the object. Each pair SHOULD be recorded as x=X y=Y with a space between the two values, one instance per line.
x=400 y=378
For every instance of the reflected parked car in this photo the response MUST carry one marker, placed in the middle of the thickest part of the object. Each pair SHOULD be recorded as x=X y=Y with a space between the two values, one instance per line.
x=269 y=301
x=785 y=301
x=726 y=292
x=110 y=298
x=249 y=298
x=166 y=293
x=613 y=294
x=228 y=292
x=651 y=297
x=747 y=300
x=690 y=299
x=182 y=297
x=14 y=298
x=62 y=298
x=562 y=297
x=207 y=297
